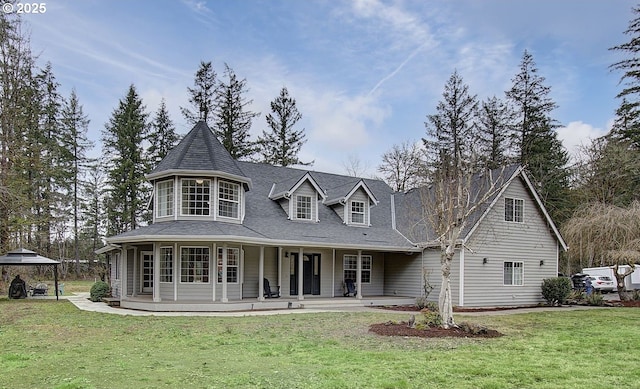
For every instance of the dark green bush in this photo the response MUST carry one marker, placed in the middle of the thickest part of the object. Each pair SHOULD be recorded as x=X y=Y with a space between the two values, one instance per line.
x=99 y=290
x=556 y=290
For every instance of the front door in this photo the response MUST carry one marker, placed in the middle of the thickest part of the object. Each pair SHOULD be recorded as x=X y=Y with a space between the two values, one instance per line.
x=146 y=271
x=310 y=274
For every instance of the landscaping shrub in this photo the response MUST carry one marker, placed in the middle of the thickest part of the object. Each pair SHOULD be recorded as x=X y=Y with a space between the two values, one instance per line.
x=431 y=317
x=99 y=290
x=595 y=299
x=556 y=290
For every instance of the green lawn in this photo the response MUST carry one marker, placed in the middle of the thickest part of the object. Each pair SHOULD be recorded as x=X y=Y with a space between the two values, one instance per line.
x=49 y=344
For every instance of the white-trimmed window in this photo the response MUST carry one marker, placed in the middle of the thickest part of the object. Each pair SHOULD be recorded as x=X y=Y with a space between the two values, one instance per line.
x=194 y=264
x=233 y=264
x=164 y=198
x=513 y=210
x=166 y=264
x=228 y=199
x=513 y=273
x=351 y=268
x=303 y=207
x=196 y=196
x=357 y=212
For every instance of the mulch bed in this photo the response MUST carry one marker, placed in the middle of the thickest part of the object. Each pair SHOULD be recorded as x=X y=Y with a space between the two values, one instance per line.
x=402 y=329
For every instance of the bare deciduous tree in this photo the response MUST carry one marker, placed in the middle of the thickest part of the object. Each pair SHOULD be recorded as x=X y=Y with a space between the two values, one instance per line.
x=449 y=205
x=402 y=166
x=606 y=235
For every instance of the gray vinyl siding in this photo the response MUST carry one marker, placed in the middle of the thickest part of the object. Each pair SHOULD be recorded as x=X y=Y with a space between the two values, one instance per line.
x=499 y=241
x=252 y=269
x=166 y=291
x=402 y=275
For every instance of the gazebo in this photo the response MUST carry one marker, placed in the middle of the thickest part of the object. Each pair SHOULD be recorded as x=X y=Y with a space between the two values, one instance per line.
x=24 y=257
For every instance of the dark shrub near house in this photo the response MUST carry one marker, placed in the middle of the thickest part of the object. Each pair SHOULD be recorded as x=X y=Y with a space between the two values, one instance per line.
x=556 y=290
x=99 y=290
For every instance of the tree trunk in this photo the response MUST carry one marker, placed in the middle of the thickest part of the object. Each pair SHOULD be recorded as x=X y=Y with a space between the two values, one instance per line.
x=445 y=302
x=622 y=293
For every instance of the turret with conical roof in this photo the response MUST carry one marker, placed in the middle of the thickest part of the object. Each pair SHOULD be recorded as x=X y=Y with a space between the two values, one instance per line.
x=199 y=153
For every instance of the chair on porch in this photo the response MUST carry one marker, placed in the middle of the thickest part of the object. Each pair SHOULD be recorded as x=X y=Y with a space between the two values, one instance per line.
x=349 y=288
x=268 y=292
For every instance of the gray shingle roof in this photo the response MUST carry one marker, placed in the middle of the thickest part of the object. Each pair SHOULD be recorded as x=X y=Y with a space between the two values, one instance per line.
x=266 y=222
x=198 y=150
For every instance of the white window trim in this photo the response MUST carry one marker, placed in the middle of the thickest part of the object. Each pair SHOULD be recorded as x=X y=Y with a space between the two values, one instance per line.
x=521 y=266
x=218 y=249
x=504 y=217
x=170 y=275
x=363 y=213
x=239 y=202
x=209 y=180
x=180 y=263
x=173 y=198
x=295 y=208
x=355 y=257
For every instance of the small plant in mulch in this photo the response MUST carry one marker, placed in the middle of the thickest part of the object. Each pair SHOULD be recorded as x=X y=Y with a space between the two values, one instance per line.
x=430 y=326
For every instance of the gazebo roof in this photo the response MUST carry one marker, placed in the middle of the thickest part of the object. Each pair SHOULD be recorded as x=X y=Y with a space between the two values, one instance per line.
x=25 y=257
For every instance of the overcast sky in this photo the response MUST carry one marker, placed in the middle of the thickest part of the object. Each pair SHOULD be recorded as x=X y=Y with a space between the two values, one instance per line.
x=364 y=73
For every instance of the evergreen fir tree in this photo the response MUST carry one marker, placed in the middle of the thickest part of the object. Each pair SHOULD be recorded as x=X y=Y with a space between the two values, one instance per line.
x=75 y=125
x=281 y=144
x=630 y=68
x=540 y=150
x=232 y=119
x=450 y=136
x=202 y=95
x=122 y=145
x=495 y=133
x=162 y=137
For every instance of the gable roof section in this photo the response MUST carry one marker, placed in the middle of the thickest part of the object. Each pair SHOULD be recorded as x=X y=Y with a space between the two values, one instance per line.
x=342 y=193
x=199 y=152
x=520 y=172
x=409 y=213
x=284 y=189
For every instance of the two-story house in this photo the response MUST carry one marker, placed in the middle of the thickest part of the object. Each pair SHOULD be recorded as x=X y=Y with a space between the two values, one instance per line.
x=221 y=227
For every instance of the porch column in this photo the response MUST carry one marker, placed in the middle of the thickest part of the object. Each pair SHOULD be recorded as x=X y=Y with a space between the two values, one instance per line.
x=300 y=274
x=123 y=270
x=156 y=272
x=136 y=263
x=224 y=298
x=261 y=275
x=279 y=266
x=359 y=276
x=333 y=275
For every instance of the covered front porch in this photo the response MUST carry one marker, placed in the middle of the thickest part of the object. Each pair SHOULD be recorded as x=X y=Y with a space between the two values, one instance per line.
x=146 y=303
x=228 y=276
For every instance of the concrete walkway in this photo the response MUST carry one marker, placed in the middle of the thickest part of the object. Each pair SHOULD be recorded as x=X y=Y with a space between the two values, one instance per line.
x=81 y=301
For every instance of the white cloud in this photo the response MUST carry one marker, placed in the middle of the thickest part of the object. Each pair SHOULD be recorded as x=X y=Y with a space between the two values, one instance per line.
x=578 y=134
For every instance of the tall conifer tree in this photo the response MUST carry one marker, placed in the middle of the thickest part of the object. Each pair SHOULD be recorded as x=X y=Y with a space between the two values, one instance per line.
x=122 y=141
x=232 y=118
x=281 y=144
x=540 y=150
x=162 y=137
x=75 y=125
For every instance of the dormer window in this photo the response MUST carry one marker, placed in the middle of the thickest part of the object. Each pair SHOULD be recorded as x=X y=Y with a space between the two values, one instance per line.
x=357 y=212
x=164 y=198
x=228 y=199
x=196 y=196
x=303 y=207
